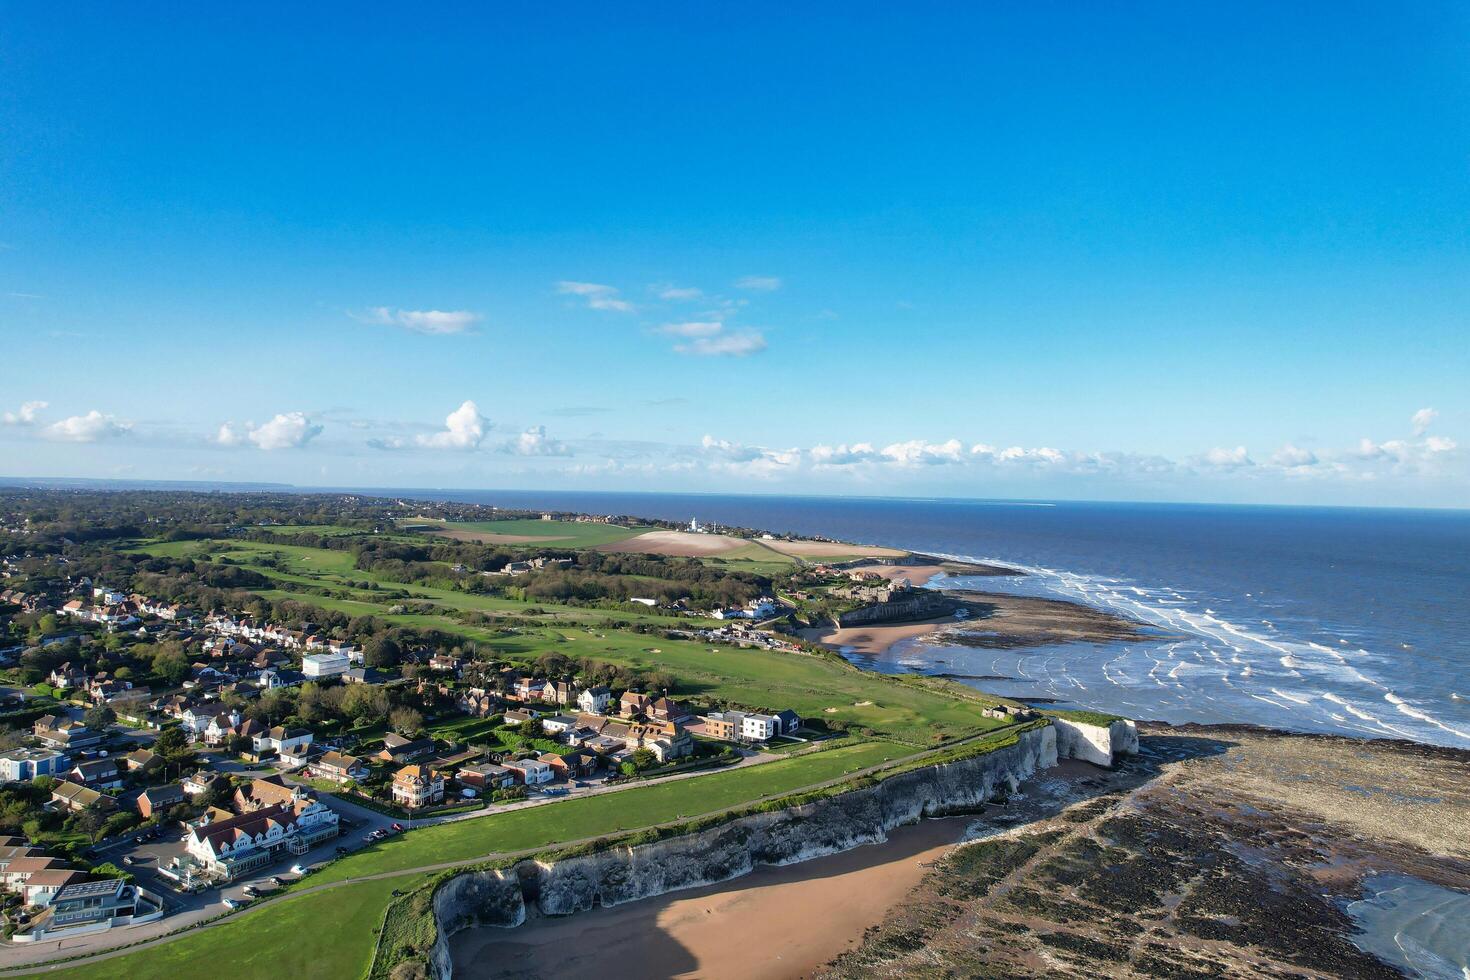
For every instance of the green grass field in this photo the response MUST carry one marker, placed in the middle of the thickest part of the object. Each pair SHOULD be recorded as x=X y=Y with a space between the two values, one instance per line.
x=552 y=534
x=598 y=816
x=814 y=687
x=330 y=935
x=326 y=936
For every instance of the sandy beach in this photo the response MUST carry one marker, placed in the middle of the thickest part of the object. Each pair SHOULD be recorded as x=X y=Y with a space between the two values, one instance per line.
x=773 y=924
x=996 y=620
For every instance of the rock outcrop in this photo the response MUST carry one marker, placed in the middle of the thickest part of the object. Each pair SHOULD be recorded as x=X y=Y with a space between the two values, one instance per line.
x=1097 y=744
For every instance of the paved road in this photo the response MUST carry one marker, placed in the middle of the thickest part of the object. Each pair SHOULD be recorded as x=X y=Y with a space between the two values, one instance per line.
x=37 y=964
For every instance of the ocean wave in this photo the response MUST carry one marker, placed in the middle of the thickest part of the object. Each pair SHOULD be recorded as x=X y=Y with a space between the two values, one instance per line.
x=1266 y=663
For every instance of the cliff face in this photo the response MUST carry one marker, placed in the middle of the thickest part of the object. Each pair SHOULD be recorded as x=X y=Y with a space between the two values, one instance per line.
x=816 y=829
x=1094 y=743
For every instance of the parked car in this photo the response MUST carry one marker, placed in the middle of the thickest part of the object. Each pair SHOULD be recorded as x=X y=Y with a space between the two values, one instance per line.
x=398 y=826
x=230 y=903
x=298 y=869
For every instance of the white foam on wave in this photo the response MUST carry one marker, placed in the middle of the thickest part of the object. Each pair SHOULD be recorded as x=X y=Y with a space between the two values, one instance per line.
x=1259 y=653
x=1406 y=708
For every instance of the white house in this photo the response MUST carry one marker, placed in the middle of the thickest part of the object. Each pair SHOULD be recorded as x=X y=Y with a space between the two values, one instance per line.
x=759 y=728
x=594 y=700
x=319 y=665
x=284 y=740
x=533 y=772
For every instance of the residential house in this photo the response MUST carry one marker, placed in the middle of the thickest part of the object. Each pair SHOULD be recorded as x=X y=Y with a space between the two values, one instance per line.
x=204 y=783
x=67 y=677
x=594 y=700
x=532 y=772
x=632 y=703
x=157 y=799
x=76 y=797
x=666 y=709
x=556 y=724
x=41 y=887
x=98 y=774
x=759 y=728
x=221 y=727
x=65 y=734
x=518 y=716
x=142 y=760
x=722 y=725
x=340 y=768
x=486 y=777
x=790 y=721
x=112 y=901
x=282 y=740
x=417 y=786
x=397 y=749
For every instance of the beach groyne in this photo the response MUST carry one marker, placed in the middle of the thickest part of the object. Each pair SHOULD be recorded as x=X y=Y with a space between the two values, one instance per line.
x=829 y=825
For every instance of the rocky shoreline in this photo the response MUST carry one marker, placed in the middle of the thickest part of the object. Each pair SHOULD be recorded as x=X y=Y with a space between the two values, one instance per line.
x=1217 y=851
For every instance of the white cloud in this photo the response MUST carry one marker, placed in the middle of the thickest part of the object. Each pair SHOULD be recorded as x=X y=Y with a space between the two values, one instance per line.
x=27 y=414
x=733 y=451
x=289 y=430
x=598 y=296
x=1227 y=459
x=693 y=328
x=760 y=284
x=228 y=435
x=917 y=452
x=676 y=294
x=432 y=322
x=740 y=344
x=1293 y=457
x=1422 y=420
x=464 y=428
x=87 y=428
x=843 y=455
x=534 y=442
x=1439 y=444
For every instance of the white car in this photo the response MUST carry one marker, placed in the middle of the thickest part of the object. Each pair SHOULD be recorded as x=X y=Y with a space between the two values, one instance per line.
x=297 y=869
x=230 y=903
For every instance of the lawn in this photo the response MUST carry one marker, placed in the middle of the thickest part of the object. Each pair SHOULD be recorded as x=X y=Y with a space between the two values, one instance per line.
x=597 y=816
x=330 y=935
x=814 y=687
x=550 y=534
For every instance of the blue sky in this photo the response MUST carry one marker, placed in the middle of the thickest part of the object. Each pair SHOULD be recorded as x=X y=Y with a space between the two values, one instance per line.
x=1156 y=251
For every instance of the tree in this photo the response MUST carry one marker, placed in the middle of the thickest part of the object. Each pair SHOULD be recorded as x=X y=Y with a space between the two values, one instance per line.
x=170 y=663
x=98 y=717
x=174 y=746
x=382 y=652
x=110 y=870
x=531 y=728
x=365 y=703
x=406 y=721
x=644 y=759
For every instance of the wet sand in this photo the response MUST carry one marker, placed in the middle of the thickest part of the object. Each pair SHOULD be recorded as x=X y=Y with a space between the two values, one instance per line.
x=996 y=621
x=772 y=924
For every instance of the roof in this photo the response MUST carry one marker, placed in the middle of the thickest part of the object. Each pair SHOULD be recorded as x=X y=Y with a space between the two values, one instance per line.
x=53 y=876
x=162 y=794
x=338 y=761
x=91 y=889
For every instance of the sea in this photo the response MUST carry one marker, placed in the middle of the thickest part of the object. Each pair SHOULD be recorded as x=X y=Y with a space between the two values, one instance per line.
x=1338 y=620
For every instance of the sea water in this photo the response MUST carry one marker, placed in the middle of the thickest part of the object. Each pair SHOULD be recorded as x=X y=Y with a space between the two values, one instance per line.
x=1353 y=621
